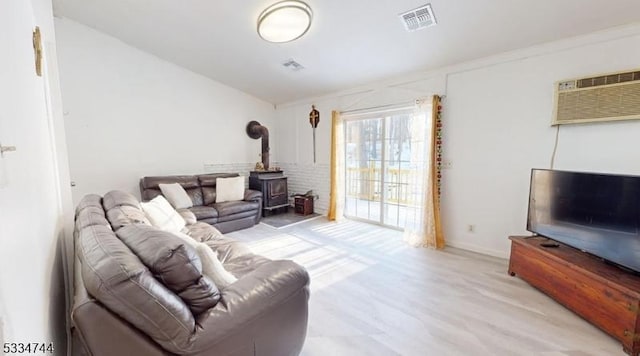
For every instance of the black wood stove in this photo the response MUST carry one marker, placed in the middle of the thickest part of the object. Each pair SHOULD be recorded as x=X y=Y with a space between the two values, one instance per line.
x=273 y=185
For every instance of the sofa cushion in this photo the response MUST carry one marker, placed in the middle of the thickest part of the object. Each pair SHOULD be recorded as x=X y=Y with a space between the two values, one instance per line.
x=204 y=212
x=195 y=194
x=236 y=219
x=251 y=194
x=210 y=180
x=124 y=215
x=208 y=195
x=245 y=264
x=225 y=247
x=203 y=232
x=212 y=267
x=150 y=187
x=229 y=189
x=162 y=215
x=188 y=216
x=235 y=207
x=208 y=183
x=184 y=181
x=118 y=198
x=174 y=262
x=228 y=249
x=176 y=195
x=89 y=200
x=89 y=216
x=117 y=278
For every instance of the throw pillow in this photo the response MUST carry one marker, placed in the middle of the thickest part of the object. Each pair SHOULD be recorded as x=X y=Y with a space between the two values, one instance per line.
x=162 y=215
x=211 y=265
x=187 y=239
x=229 y=189
x=213 y=268
x=176 y=195
x=188 y=216
x=174 y=263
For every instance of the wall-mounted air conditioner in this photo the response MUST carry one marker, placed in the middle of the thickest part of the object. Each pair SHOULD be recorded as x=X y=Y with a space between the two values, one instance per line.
x=607 y=97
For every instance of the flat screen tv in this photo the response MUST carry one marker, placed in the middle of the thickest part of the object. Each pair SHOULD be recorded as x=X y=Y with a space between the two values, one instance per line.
x=593 y=212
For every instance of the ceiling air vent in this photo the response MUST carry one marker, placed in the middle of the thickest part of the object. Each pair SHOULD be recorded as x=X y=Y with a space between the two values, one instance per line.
x=418 y=18
x=607 y=97
x=292 y=65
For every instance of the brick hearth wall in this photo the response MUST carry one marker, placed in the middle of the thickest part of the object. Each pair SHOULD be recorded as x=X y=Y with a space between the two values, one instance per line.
x=300 y=178
x=305 y=177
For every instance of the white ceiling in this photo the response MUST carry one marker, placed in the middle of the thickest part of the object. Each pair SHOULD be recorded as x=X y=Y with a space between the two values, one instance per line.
x=350 y=43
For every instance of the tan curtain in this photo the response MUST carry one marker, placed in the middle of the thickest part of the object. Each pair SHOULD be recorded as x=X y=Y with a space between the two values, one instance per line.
x=424 y=227
x=336 y=195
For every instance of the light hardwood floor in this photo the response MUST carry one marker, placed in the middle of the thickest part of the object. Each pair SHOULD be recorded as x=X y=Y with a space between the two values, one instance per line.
x=371 y=294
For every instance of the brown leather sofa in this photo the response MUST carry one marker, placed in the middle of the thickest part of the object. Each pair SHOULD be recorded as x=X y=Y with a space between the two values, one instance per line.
x=226 y=216
x=121 y=308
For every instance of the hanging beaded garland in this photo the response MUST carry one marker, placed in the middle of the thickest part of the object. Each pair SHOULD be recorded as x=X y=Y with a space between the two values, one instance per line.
x=438 y=147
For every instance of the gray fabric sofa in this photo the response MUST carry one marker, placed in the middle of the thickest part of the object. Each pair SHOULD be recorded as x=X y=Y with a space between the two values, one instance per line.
x=226 y=216
x=121 y=308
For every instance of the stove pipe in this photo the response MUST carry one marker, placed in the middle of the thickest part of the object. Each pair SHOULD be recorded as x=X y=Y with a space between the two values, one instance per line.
x=256 y=131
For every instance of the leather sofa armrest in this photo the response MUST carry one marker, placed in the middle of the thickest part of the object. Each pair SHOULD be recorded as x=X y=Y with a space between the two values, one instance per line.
x=250 y=194
x=97 y=328
x=188 y=216
x=265 y=288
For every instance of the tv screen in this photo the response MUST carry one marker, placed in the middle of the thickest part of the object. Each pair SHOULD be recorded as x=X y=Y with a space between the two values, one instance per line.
x=593 y=212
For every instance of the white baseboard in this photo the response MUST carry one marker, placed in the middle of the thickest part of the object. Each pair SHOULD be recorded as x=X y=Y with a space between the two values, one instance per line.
x=478 y=249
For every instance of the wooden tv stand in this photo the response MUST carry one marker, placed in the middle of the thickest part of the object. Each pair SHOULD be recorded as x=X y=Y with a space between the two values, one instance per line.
x=601 y=293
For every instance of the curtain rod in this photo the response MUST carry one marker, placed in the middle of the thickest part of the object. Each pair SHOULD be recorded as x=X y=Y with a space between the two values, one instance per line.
x=412 y=102
x=388 y=106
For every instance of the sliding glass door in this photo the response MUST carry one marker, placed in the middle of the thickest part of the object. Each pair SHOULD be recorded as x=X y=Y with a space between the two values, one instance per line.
x=364 y=158
x=381 y=166
x=396 y=169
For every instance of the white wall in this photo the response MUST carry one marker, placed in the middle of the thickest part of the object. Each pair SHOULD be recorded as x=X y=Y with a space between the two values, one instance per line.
x=130 y=114
x=497 y=113
x=34 y=186
x=295 y=146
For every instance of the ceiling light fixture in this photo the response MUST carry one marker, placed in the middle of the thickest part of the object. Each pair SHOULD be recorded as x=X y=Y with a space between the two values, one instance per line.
x=284 y=21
